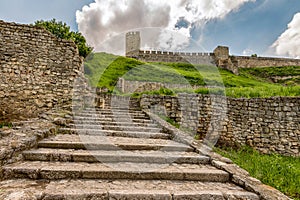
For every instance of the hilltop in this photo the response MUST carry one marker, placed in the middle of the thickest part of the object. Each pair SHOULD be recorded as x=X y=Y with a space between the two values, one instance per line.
x=104 y=70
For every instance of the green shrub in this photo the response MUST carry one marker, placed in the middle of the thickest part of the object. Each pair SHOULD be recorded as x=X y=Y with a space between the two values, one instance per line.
x=61 y=30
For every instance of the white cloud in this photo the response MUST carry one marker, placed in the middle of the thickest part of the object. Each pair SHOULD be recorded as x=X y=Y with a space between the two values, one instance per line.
x=248 y=52
x=288 y=44
x=105 y=18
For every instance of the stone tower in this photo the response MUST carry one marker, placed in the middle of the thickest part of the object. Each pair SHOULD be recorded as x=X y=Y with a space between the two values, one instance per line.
x=133 y=43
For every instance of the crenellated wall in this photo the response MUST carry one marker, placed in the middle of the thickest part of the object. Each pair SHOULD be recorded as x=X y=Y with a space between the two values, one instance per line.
x=37 y=71
x=181 y=57
x=220 y=57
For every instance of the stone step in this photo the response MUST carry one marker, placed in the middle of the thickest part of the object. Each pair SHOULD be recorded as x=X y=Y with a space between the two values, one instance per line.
x=71 y=155
x=97 y=110
x=117 y=128
x=109 y=119
x=113 y=123
x=111 y=143
x=128 y=170
x=109 y=113
x=116 y=133
x=114 y=115
x=119 y=108
x=124 y=189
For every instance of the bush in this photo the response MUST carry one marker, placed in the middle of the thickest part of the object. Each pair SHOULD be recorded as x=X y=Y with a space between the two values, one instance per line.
x=61 y=30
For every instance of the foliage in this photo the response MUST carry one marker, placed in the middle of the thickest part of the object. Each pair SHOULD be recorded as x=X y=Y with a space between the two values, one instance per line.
x=275 y=170
x=61 y=30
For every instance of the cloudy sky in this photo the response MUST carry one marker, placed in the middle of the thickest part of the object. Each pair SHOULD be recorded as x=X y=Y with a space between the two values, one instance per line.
x=264 y=27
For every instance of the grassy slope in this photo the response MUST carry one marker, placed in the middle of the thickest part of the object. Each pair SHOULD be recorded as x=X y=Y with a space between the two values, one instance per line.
x=104 y=69
x=282 y=173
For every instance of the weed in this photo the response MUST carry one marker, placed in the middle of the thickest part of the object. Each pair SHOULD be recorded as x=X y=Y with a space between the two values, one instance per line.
x=6 y=124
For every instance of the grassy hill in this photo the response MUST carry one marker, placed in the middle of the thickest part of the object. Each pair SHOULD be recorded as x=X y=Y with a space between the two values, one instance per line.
x=103 y=70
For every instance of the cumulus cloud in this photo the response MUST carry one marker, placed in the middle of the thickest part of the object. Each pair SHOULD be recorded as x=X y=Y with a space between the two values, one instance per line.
x=106 y=18
x=288 y=44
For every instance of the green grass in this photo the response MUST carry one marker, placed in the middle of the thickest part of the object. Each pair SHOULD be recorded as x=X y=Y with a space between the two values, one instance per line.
x=268 y=73
x=170 y=121
x=263 y=92
x=103 y=70
x=161 y=91
x=5 y=124
x=280 y=172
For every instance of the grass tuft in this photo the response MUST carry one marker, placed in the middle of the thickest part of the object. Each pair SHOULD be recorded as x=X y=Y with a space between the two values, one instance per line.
x=5 y=124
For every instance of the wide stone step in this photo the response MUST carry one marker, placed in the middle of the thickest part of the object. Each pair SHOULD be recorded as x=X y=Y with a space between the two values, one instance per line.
x=113 y=115
x=111 y=143
x=71 y=155
x=96 y=110
x=133 y=171
x=130 y=134
x=118 y=128
x=125 y=189
x=114 y=123
x=118 y=108
x=109 y=119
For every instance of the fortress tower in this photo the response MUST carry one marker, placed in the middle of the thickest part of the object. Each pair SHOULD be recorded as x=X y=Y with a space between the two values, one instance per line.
x=133 y=43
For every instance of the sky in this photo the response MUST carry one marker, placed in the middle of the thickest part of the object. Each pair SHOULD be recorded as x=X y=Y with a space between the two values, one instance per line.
x=262 y=27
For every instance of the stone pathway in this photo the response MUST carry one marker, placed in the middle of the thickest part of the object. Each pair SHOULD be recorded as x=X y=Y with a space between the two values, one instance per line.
x=116 y=154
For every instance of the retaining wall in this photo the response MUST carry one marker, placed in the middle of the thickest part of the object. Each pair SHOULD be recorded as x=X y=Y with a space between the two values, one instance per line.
x=268 y=125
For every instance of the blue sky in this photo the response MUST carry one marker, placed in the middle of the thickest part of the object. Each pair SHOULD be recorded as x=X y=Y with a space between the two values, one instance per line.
x=251 y=27
x=255 y=26
x=29 y=11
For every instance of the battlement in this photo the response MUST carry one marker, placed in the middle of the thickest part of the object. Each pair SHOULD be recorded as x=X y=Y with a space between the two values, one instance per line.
x=219 y=57
x=175 y=53
x=133 y=33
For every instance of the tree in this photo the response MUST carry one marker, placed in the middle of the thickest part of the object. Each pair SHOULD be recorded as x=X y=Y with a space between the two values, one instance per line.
x=61 y=30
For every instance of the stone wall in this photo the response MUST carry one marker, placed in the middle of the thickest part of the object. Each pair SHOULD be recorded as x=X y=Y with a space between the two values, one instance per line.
x=250 y=62
x=37 y=71
x=268 y=125
x=126 y=86
x=181 y=57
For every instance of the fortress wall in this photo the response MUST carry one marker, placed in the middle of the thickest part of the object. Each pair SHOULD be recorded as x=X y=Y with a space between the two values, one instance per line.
x=269 y=125
x=161 y=56
x=37 y=71
x=250 y=62
x=220 y=57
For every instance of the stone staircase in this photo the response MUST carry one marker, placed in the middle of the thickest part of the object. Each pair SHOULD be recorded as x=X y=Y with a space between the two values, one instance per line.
x=120 y=153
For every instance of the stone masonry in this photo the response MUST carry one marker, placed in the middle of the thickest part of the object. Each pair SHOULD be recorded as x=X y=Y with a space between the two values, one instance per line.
x=268 y=125
x=37 y=71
